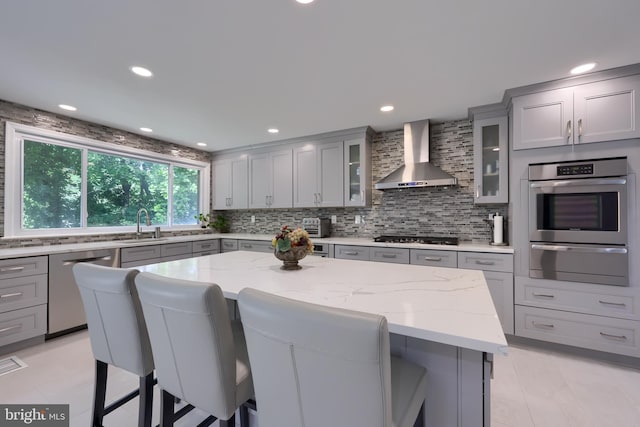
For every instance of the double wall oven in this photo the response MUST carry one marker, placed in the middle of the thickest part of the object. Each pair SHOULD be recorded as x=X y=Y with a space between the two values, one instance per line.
x=578 y=221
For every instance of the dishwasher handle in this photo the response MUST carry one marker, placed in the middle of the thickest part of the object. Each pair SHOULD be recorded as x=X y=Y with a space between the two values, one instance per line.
x=92 y=259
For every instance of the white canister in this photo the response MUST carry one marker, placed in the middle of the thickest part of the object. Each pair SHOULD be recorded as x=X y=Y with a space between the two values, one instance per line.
x=498 y=225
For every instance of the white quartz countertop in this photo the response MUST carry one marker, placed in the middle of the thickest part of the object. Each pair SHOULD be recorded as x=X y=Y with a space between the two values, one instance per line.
x=353 y=241
x=445 y=305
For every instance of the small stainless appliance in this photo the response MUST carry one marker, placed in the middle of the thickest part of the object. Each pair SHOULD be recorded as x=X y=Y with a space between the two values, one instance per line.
x=578 y=221
x=323 y=250
x=316 y=227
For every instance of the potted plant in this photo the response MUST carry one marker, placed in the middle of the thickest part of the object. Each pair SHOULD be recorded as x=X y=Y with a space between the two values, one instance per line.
x=220 y=224
x=203 y=219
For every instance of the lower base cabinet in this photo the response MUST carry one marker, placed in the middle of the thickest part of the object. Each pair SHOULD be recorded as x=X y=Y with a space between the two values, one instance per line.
x=501 y=289
x=22 y=324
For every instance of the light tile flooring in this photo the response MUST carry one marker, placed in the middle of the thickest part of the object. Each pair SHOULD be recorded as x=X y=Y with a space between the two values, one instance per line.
x=531 y=387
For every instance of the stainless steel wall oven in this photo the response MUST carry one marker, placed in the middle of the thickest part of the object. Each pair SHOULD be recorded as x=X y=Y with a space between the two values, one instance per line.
x=578 y=221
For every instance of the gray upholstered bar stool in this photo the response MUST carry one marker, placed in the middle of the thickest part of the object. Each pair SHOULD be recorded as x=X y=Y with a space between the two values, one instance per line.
x=200 y=354
x=316 y=366
x=118 y=335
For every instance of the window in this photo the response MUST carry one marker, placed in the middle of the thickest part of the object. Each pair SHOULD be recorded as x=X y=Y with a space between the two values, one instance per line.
x=58 y=183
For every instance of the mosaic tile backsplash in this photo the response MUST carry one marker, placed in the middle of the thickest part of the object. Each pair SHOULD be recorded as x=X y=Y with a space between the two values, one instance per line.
x=439 y=211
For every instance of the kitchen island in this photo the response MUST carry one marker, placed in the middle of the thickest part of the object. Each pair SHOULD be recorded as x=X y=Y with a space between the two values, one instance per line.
x=440 y=318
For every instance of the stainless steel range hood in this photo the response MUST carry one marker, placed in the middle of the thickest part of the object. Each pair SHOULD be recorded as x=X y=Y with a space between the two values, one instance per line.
x=416 y=171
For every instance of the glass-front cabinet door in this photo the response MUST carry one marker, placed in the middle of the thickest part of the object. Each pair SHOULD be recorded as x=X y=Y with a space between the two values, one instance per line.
x=490 y=150
x=357 y=172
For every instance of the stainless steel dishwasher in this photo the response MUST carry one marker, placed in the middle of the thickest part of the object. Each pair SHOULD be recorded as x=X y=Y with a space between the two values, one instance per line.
x=66 y=312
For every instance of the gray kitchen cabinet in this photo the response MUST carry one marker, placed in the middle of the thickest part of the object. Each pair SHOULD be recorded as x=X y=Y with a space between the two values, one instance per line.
x=490 y=160
x=255 y=246
x=183 y=249
x=357 y=172
x=23 y=298
x=230 y=183
x=394 y=255
x=271 y=179
x=602 y=111
x=143 y=255
x=206 y=247
x=318 y=175
x=361 y=253
x=228 y=245
x=434 y=258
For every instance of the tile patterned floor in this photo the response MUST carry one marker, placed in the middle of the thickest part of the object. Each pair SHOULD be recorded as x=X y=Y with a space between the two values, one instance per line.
x=531 y=387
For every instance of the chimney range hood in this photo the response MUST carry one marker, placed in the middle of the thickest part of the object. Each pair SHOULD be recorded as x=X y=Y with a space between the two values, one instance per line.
x=416 y=171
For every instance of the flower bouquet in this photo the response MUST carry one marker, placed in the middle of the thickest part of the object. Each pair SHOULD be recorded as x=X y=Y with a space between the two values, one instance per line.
x=290 y=246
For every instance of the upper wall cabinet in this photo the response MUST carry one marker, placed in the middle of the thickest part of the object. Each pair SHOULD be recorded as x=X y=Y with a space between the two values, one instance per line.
x=230 y=183
x=490 y=151
x=271 y=179
x=357 y=172
x=318 y=175
x=595 y=112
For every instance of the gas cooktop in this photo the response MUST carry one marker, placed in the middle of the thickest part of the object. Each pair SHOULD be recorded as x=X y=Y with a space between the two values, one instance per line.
x=430 y=240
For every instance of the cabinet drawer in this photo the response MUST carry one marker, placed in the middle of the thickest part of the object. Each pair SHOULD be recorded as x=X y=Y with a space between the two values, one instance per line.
x=206 y=245
x=20 y=267
x=205 y=253
x=485 y=261
x=139 y=253
x=395 y=255
x=173 y=249
x=545 y=295
x=139 y=262
x=255 y=246
x=618 y=336
x=19 y=325
x=21 y=292
x=352 y=252
x=434 y=258
x=228 y=245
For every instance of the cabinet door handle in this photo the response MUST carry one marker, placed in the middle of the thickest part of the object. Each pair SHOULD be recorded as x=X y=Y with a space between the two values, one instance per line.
x=247 y=245
x=270 y=200
x=615 y=337
x=389 y=256
x=543 y=295
x=433 y=258
x=617 y=304
x=15 y=294
x=568 y=130
x=319 y=198
x=10 y=328
x=351 y=253
x=580 y=128
x=481 y=262
x=14 y=268
x=542 y=325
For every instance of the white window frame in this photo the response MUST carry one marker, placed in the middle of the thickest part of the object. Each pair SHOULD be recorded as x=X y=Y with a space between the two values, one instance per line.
x=15 y=135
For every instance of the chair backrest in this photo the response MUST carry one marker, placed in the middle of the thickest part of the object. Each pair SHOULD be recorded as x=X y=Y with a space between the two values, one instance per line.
x=116 y=325
x=314 y=366
x=192 y=341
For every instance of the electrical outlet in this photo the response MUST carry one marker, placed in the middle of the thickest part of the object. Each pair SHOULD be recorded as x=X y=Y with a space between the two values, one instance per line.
x=253 y=219
x=491 y=215
x=357 y=219
x=334 y=219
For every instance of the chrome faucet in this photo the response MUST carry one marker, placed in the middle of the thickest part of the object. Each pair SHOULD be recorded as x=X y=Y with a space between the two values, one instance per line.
x=138 y=233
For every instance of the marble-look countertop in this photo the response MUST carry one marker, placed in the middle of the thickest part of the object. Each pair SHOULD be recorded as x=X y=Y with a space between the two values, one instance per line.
x=445 y=305
x=353 y=241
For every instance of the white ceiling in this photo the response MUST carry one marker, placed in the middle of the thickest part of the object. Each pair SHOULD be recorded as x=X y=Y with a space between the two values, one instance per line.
x=226 y=70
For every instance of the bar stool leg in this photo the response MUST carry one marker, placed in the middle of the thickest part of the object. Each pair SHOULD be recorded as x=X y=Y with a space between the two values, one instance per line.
x=244 y=416
x=146 y=401
x=166 y=409
x=231 y=422
x=99 y=394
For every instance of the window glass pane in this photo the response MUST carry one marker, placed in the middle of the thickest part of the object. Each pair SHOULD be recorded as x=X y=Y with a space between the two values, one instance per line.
x=52 y=186
x=118 y=186
x=186 y=194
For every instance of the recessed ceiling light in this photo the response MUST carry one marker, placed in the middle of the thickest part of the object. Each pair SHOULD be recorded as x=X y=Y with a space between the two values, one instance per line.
x=201 y=144
x=141 y=71
x=67 y=107
x=304 y=1
x=386 y=108
x=273 y=130
x=583 y=68
x=146 y=129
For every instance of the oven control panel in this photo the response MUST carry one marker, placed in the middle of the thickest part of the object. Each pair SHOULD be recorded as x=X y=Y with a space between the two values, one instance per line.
x=572 y=170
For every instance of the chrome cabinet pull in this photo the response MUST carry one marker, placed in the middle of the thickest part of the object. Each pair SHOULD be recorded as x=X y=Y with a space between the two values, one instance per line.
x=14 y=268
x=10 y=328
x=543 y=295
x=617 y=304
x=433 y=258
x=205 y=246
x=351 y=253
x=580 y=128
x=389 y=256
x=568 y=130
x=615 y=337
x=542 y=325
x=15 y=294
x=481 y=262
